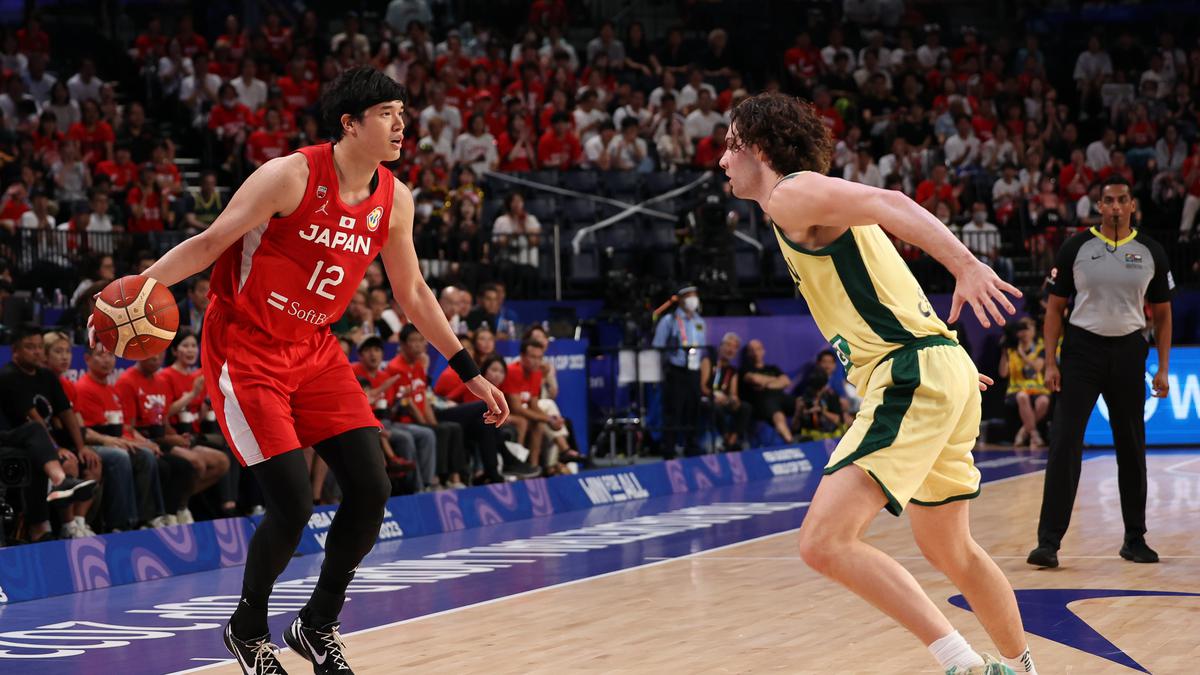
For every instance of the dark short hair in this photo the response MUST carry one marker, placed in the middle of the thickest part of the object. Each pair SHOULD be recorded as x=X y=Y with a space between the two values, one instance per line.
x=628 y=122
x=526 y=345
x=788 y=131
x=24 y=332
x=352 y=92
x=408 y=331
x=1117 y=179
x=494 y=358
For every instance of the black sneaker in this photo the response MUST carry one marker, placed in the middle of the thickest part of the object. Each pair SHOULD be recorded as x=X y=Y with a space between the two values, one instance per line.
x=322 y=646
x=257 y=656
x=1043 y=556
x=72 y=490
x=522 y=470
x=1138 y=552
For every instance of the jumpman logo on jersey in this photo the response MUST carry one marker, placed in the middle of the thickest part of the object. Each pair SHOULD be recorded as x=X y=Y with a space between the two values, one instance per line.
x=324 y=208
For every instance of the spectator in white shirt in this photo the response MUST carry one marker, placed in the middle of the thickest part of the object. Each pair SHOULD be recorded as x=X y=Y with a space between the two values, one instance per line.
x=555 y=42
x=1092 y=64
x=863 y=169
x=251 y=91
x=351 y=32
x=477 y=147
x=1007 y=188
x=674 y=149
x=66 y=112
x=595 y=151
x=1099 y=152
x=962 y=149
x=667 y=87
x=440 y=139
x=837 y=45
x=636 y=108
x=983 y=239
x=439 y=108
x=700 y=122
x=37 y=80
x=38 y=216
x=72 y=180
x=1086 y=211
x=930 y=53
x=200 y=90
x=997 y=150
x=628 y=152
x=588 y=116
x=1171 y=150
x=608 y=44
x=902 y=162
x=689 y=96
x=517 y=233
x=85 y=85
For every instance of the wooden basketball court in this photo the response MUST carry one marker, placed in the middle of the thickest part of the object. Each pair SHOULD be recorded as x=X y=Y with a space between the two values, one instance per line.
x=754 y=607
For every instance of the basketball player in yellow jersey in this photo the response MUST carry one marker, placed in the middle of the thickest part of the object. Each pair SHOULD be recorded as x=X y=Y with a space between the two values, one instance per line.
x=911 y=442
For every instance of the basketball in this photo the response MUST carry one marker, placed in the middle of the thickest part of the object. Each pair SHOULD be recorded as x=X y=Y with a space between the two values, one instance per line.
x=135 y=317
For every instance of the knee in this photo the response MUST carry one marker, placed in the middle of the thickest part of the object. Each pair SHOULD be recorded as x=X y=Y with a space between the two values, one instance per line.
x=818 y=550
x=953 y=561
x=1022 y=397
x=219 y=462
x=294 y=515
x=371 y=495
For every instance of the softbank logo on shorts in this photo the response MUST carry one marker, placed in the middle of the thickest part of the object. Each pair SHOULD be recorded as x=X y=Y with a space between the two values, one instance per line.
x=293 y=308
x=612 y=488
x=787 y=461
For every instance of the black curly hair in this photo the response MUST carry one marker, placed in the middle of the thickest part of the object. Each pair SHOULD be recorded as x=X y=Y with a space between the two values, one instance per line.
x=789 y=132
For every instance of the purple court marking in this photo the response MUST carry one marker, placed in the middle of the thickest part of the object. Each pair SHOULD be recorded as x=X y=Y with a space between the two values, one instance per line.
x=174 y=624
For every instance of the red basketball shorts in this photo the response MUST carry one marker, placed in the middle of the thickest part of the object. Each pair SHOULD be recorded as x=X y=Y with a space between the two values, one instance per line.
x=272 y=396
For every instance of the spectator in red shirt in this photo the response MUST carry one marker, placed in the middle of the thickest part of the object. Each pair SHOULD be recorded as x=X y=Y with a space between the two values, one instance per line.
x=1075 y=177
x=299 y=92
x=559 y=148
x=122 y=172
x=1118 y=166
x=523 y=387
x=32 y=38
x=145 y=395
x=529 y=89
x=823 y=102
x=151 y=44
x=278 y=38
x=95 y=136
x=710 y=148
x=166 y=174
x=230 y=122
x=936 y=189
x=413 y=442
x=516 y=147
x=450 y=387
x=266 y=144
x=191 y=42
x=145 y=204
x=803 y=62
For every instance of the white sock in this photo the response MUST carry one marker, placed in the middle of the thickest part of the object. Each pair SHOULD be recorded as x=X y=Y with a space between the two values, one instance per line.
x=80 y=521
x=1020 y=664
x=952 y=651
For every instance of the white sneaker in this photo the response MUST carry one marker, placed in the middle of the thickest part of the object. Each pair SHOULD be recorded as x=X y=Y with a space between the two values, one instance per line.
x=159 y=521
x=184 y=517
x=82 y=526
x=70 y=530
x=258 y=510
x=1022 y=438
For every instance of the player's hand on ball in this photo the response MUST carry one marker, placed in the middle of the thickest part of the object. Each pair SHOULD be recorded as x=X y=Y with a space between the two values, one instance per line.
x=979 y=287
x=493 y=398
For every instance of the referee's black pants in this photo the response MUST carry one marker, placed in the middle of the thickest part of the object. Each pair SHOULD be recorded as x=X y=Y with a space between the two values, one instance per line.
x=1093 y=365
x=681 y=411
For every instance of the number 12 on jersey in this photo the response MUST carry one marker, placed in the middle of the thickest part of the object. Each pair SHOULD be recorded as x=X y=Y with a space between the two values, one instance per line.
x=334 y=275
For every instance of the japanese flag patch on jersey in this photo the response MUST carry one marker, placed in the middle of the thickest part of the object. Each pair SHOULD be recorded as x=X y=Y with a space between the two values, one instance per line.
x=373 y=218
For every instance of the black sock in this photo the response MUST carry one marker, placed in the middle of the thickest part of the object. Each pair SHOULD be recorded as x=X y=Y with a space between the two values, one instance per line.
x=322 y=608
x=249 y=620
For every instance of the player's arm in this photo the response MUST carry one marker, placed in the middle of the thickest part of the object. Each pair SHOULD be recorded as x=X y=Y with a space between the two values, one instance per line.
x=420 y=305
x=810 y=199
x=276 y=187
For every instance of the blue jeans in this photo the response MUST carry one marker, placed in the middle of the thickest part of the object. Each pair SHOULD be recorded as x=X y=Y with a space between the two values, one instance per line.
x=119 y=499
x=424 y=446
x=149 y=490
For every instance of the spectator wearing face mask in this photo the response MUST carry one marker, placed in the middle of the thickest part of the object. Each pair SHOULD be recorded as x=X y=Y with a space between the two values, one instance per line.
x=684 y=331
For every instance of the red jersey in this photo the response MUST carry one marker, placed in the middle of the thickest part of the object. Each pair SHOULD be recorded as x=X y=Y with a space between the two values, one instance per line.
x=151 y=219
x=144 y=399
x=526 y=386
x=558 y=153
x=412 y=384
x=450 y=387
x=708 y=153
x=264 y=145
x=91 y=141
x=68 y=389
x=99 y=404
x=1190 y=165
x=384 y=402
x=522 y=161
x=927 y=188
x=177 y=384
x=298 y=95
x=121 y=175
x=295 y=275
x=231 y=120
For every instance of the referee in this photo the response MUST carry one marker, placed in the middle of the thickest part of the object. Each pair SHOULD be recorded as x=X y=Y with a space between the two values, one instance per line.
x=687 y=331
x=1112 y=272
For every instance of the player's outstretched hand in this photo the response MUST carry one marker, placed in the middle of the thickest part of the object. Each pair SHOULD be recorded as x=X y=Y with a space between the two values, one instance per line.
x=497 y=405
x=979 y=287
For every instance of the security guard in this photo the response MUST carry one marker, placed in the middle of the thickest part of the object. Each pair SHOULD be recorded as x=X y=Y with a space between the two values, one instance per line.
x=1112 y=272
x=685 y=330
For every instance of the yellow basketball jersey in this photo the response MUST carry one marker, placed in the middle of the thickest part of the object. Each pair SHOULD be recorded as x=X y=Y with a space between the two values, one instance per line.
x=863 y=297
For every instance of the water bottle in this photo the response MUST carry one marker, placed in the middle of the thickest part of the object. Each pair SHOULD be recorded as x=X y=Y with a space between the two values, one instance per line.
x=39 y=300
x=60 y=300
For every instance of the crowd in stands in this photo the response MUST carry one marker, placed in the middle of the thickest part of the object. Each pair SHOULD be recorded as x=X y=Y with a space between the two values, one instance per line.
x=985 y=130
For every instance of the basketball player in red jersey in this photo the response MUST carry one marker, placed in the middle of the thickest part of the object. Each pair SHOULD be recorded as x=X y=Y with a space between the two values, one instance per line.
x=290 y=250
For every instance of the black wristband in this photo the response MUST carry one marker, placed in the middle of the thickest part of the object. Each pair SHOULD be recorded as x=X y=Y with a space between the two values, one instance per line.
x=464 y=366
